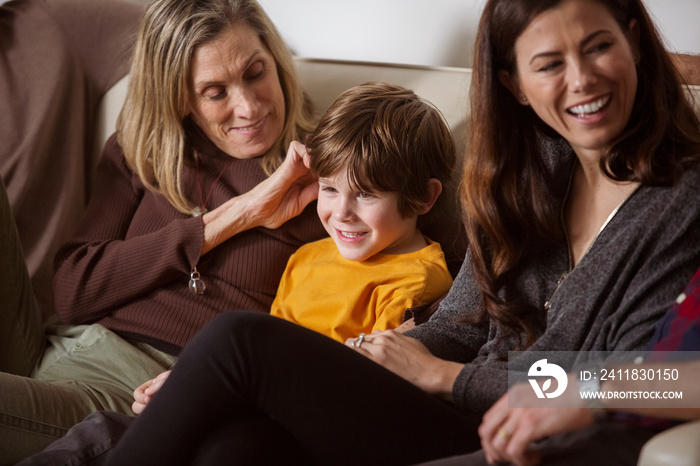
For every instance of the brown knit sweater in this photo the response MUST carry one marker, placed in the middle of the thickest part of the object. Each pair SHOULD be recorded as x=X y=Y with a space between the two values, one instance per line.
x=128 y=264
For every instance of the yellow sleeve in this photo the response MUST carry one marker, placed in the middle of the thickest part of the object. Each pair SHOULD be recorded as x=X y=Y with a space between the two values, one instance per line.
x=390 y=316
x=409 y=292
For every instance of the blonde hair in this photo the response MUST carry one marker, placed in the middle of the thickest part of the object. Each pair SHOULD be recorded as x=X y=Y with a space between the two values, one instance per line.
x=388 y=139
x=150 y=126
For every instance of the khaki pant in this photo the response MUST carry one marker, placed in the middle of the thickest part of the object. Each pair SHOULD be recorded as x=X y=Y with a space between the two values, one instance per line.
x=50 y=379
x=84 y=369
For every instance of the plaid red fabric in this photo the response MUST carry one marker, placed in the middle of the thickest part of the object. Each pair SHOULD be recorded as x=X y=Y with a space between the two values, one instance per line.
x=679 y=329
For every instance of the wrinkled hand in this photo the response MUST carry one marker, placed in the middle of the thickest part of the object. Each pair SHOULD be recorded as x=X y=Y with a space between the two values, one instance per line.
x=507 y=432
x=271 y=203
x=144 y=393
x=286 y=192
x=409 y=359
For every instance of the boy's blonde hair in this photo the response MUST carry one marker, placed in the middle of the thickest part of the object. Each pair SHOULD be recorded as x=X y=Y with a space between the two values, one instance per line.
x=388 y=139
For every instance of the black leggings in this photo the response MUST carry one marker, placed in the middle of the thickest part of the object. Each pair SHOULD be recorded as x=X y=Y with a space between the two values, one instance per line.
x=252 y=388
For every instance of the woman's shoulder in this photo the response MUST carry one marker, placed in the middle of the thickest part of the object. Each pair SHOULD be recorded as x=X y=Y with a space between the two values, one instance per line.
x=685 y=186
x=690 y=175
x=112 y=153
x=113 y=163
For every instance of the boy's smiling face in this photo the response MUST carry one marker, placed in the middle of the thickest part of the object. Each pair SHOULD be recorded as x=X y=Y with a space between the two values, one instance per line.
x=362 y=223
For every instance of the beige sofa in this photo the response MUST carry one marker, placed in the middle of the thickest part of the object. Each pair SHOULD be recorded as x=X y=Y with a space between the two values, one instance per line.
x=448 y=89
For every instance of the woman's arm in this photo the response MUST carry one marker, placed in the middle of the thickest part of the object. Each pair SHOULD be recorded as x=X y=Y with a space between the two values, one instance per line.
x=106 y=263
x=126 y=246
x=411 y=360
x=519 y=418
x=433 y=355
x=282 y=196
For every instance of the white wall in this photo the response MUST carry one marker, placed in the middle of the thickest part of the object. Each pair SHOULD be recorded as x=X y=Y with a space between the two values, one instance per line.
x=425 y=32
x=679 y=23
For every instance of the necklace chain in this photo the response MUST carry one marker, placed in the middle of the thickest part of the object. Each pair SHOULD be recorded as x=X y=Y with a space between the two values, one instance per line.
x=563 y=277
x=196 y=284
x=202 y=209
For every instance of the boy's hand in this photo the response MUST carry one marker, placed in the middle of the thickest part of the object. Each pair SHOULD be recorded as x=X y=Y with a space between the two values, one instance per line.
x=143 y=394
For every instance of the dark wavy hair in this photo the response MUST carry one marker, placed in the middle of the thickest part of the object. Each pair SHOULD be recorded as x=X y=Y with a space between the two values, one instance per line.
x=506 y=187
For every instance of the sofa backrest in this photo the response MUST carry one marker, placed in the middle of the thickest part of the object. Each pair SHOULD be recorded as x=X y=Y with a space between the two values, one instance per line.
x=323 y=80
x=447 y=88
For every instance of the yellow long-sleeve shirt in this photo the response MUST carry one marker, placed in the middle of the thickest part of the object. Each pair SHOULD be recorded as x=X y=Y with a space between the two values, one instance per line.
x=340 y=298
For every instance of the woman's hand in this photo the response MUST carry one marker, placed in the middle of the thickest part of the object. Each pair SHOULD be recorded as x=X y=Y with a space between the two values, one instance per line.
x=287 y=192
x=410 y=359
x=143 y=394
x=507 y=432
x=271 y=203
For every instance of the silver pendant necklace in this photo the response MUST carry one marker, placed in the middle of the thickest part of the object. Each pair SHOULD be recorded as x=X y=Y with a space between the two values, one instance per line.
x=196 y=284
x=201 y=209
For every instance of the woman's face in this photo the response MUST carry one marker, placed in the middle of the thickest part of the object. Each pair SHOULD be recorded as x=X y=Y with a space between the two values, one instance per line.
x=576 y=68
x=236 y=96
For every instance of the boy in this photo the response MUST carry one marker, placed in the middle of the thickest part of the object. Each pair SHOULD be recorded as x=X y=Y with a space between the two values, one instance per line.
x=381 y=155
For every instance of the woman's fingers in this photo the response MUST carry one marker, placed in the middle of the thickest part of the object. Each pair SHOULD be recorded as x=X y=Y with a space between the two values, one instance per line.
x=489 y=428
x=359 y=344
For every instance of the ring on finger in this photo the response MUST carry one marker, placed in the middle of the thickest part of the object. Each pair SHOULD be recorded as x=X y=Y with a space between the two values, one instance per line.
x=503 y=433
x=359 y=340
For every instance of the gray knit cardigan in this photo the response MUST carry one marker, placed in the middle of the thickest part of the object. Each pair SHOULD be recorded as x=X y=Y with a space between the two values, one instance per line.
x=611 y=300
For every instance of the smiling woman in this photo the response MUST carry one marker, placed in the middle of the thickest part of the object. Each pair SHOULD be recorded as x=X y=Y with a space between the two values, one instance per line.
x=212 y=106
x=576 y=68
x=236 y=96
x=637 y=130
x=580 y=80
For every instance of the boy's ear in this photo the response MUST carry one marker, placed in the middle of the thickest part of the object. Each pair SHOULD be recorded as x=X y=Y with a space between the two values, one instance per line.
x=434 y=191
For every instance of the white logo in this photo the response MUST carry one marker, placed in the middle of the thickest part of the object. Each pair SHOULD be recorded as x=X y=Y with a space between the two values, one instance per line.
x=543 y=368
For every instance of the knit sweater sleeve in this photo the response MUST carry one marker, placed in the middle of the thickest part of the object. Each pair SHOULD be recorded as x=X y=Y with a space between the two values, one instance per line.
x=614 y=297
x=425 y=279
x=106 y=263
x=444 y=335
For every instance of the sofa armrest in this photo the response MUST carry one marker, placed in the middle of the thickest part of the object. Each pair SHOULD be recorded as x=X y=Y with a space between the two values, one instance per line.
x=678 y=446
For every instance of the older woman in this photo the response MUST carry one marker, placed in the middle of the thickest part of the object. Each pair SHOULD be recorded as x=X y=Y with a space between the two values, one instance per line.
x=581 y=190
x=188 y=219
